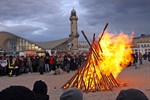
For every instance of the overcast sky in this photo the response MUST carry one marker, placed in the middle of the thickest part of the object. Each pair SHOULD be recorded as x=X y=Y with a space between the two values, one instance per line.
x=45 y=20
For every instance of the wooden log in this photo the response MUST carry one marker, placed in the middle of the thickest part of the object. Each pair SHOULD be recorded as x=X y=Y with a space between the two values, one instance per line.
x=83 y=72
x=103 y=32
x=113 y=79
x=93 y=38
x=102 y=36
x=89 y=44
x=96 y=79
x=108 y=82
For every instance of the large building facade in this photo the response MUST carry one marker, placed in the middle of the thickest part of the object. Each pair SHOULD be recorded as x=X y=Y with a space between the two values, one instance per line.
x=141 y=44
x=16 y=45
x=13 y=44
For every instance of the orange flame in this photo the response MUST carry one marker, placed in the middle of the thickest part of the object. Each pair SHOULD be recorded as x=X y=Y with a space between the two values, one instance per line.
x=107 y=59
x=116 y=53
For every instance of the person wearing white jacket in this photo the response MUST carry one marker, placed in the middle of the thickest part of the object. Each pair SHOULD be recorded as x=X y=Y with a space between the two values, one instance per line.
x=3 y=63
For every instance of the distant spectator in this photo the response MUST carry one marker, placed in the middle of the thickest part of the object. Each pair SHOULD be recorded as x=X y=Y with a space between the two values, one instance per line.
x=3 y=64
x=34 y=63
x=135 y=60
x=72 y=94
x=46 y=53
x=136 y=57
x=145 y=56
x=46 y=59
x=148 y=56
x=67 y=63
x=16 y=68
x=41 y=65
x=17 y=93
x=131 y=94
x=40 y=90
x=51 y=62
x=11 y=65
x=140 y=58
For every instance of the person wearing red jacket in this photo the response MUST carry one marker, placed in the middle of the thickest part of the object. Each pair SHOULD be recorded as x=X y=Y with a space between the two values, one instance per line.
x=51 y=62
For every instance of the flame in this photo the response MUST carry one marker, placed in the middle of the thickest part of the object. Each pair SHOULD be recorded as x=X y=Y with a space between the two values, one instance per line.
x=116 y=53
x=107 y=59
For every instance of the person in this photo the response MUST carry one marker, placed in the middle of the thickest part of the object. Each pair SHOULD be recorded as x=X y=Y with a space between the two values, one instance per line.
x=46 y=53
x=131 y=94
x=67 y=63
x=59 y=61
x=29 y=64
x=16 y=68
x=34 y=63
x=140 y=58
x=40 y=90
x=46 y=59
x=17 y=93
x=51 y=62
x=11 y=63
x=72 y=94
x=41 y=65
x=148 y=56
x=136 y=60
x=3 y=64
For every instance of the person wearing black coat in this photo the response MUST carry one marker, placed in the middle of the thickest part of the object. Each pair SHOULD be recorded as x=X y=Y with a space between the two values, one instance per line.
x=16 y=92
x=40 y=90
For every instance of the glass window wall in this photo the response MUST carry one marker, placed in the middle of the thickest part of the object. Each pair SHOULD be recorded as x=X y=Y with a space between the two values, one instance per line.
x=17 y=44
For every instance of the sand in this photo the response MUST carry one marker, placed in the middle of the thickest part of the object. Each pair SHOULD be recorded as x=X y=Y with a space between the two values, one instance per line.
x=135 y=78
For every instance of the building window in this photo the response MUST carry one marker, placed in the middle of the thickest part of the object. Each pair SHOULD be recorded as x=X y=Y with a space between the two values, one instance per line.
x=11 y=45
x=145 y=49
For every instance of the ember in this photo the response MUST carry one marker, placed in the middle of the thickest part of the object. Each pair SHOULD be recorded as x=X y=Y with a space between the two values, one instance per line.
x=108 y=56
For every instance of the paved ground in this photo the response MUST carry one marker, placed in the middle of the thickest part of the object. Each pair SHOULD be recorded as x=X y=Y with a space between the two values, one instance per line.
x=135 y=78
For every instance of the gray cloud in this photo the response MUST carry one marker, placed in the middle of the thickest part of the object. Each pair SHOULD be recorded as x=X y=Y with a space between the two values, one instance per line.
x=49 y=19
x=123 y=15
x=33 y=19
x=28 y=8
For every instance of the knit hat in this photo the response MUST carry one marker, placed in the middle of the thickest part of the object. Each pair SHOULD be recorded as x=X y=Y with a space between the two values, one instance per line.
x=72 y=94
x=17 y=93
x=131 y=94
x=40 y=87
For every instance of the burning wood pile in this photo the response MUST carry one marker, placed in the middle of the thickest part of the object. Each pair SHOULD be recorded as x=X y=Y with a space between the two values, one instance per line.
x=108 y=56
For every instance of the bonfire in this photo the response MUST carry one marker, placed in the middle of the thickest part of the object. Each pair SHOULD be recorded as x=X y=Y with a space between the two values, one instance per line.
x=109 y=55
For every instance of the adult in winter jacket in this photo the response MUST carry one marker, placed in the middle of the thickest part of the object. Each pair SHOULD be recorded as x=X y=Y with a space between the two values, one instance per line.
x=3 y=64
x=40 y=90
x=131 y=94
x=72 y=94
x=41 y=65
x=17 y=93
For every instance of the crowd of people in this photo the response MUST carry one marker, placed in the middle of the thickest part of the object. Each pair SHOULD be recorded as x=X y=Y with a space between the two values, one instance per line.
x=16 y=65
x=40 y=90
x=138 y=59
